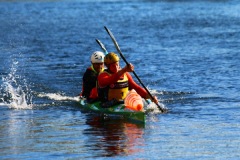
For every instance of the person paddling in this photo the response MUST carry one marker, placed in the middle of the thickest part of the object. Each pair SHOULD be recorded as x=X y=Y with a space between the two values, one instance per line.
x=115 y=82
x=89 y=89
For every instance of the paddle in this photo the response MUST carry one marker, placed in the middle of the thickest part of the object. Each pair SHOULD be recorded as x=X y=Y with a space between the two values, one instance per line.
x=102 y=46
x=119 y=51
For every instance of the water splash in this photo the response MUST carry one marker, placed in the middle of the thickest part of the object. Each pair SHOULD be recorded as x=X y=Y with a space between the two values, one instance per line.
x=58 y=97
x=15 y=91
x=153 y=108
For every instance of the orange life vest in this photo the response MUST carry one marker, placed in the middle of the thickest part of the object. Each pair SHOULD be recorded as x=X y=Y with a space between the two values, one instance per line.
x=117 y=90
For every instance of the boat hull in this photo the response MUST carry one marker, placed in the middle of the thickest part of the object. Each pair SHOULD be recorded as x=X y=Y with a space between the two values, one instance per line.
x=116 y=111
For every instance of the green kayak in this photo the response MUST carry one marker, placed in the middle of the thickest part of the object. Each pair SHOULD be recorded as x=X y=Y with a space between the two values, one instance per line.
x=116 y=111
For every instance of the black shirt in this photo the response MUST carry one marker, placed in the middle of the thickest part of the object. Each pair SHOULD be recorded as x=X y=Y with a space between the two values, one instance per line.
x=89 y=82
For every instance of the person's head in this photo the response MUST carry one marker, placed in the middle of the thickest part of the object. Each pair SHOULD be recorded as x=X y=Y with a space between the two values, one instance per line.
x=97 y=60
x=111 y=61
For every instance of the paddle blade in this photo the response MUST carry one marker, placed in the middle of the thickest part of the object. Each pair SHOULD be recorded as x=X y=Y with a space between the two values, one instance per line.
x=102 y=46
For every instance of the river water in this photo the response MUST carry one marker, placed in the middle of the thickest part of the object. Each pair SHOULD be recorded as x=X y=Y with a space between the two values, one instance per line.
x=185 y=52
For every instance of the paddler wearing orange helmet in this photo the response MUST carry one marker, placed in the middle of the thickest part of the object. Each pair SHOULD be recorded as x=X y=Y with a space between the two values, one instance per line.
x=89 y=89
x=115 y=82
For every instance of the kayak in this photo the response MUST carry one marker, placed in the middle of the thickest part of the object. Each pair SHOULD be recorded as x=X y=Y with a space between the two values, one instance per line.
x=116 y=111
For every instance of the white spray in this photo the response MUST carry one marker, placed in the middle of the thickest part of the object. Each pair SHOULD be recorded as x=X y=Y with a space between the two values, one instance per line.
x=14 y=96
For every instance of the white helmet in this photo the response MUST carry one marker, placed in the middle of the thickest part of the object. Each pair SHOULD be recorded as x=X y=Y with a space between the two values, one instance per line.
x=97 y=57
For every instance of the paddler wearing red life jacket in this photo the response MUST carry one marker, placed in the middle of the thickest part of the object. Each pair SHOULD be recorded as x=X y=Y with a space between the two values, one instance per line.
x=89 y=89
x=115 y=82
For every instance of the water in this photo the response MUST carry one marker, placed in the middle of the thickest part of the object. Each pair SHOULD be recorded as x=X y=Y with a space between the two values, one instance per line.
x=185 y=52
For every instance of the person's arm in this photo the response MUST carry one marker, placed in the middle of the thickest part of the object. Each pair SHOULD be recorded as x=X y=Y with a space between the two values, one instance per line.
x=104 y=79
x=141 y=91
x=133 y=85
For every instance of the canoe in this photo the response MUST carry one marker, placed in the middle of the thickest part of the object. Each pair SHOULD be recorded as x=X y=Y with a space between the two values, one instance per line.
x=116 y=111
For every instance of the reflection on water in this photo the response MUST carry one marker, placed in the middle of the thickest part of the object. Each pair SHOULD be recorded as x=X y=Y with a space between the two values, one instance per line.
x=114 y=137
x=187 y=52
